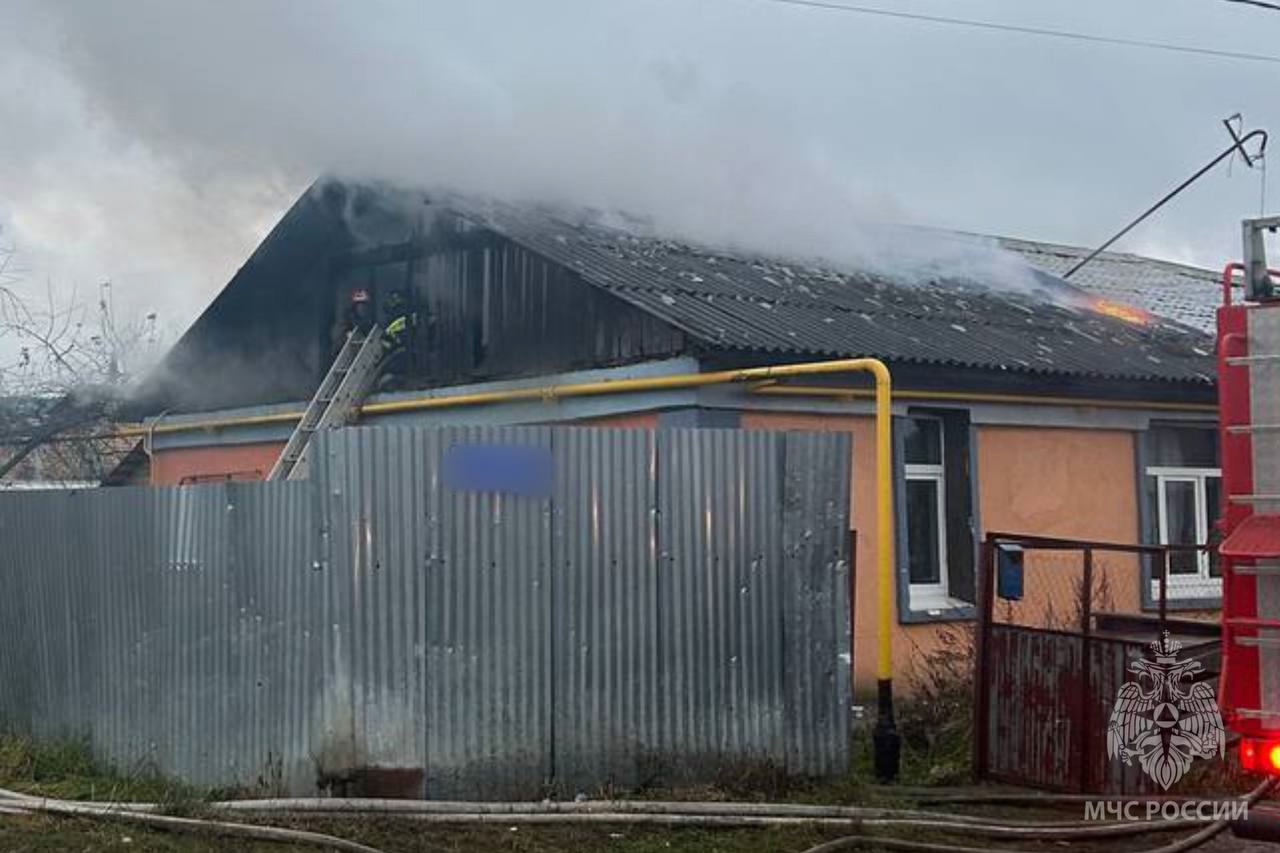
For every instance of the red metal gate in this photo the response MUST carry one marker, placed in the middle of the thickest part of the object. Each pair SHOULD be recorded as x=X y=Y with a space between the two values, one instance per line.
x=1051 y=662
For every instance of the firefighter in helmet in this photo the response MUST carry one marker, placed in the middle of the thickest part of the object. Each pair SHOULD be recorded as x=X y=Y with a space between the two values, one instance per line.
x=396 y=340
x=360 y=311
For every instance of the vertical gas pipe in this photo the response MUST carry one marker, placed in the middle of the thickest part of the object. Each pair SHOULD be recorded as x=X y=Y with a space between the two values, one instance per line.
x=887 y=742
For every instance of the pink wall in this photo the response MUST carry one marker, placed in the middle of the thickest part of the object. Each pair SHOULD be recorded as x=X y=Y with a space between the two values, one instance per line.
x=235 y=461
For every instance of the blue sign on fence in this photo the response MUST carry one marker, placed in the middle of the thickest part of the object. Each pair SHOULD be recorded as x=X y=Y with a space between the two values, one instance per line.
x=518 y=469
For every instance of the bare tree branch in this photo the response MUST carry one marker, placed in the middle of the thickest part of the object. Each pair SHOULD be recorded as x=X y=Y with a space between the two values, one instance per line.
x=64 y=370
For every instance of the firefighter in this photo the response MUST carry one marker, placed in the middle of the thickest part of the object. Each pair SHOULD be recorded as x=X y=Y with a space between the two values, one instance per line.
x=360 y=311
x=398 y=327
x=396 y=339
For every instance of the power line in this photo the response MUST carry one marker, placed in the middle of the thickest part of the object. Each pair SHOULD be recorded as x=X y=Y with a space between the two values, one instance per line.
x=1034 y=31
x=1261 y=4
x=1237 y=146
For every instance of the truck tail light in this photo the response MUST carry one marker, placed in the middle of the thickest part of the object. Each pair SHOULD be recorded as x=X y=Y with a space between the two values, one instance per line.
x=1260 y=756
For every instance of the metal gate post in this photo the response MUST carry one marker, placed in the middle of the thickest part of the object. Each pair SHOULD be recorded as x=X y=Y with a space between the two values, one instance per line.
x=982 y=661
x=853 y=607
x=1084 y=740
x=1164 y=588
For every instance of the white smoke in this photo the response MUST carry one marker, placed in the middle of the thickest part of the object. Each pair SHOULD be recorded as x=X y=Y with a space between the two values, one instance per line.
x=169 y=135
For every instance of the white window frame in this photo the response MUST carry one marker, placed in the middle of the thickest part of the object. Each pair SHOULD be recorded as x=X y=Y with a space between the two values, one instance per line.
x=1200 y=584
x=932 y=596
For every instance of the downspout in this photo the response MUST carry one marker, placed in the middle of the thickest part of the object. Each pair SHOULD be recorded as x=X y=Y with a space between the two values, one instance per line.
x=886 y=737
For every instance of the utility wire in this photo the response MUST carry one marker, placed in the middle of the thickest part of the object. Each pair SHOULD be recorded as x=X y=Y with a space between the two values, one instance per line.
x=1237 y=147
x=1261 y=4
x=1034 y=31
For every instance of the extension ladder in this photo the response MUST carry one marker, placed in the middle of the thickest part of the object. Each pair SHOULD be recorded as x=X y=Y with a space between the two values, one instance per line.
x=336 y=401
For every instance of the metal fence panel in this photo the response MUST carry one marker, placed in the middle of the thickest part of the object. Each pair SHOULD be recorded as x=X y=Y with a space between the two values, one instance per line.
x=143 y=630
x=819 y=629
x=605 y=578
x=677 y=600
x=1034 y=719
x=720 y=554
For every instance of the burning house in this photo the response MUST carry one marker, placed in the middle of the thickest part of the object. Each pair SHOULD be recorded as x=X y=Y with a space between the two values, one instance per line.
x=1083 y=412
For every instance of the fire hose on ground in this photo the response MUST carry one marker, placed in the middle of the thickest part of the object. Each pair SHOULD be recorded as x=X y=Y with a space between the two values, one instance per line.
x=635 y=812
x=1210 y=830
x=21 y=803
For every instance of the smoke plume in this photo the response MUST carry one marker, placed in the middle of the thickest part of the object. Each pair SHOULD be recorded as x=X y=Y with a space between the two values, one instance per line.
x=167 y=136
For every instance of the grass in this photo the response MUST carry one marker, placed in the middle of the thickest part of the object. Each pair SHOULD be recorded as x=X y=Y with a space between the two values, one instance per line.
x=402 y=836
x=934 y=725
x=67 y=769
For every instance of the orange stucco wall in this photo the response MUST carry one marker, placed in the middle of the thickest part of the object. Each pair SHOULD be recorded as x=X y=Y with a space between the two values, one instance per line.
x=1053 y=482
x=1074 y=484
x=237 y=461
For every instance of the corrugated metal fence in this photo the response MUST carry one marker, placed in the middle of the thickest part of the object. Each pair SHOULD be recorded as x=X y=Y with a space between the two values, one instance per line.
x=675 y=602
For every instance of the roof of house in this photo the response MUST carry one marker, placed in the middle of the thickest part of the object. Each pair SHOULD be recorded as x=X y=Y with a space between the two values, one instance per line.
x=741 y=302
x=733 y=303
x=1189 y=295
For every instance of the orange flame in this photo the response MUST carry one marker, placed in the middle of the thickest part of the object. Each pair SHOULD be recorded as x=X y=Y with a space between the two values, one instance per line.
x=1122 y=311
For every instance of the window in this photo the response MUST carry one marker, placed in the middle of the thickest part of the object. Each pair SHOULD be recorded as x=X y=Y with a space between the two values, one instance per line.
x=926 y=480
x=1184 y=483
x=936 y=536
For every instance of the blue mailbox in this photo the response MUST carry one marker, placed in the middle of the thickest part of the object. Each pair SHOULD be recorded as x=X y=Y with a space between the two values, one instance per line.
x=1009 y=565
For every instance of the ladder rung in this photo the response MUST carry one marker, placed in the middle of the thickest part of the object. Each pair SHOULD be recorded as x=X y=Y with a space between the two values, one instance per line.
x=1255 y=642
x=1252 y=359
x=1256 y=713
x=1257 y=570
x=1250 y=622
x=1247 y=428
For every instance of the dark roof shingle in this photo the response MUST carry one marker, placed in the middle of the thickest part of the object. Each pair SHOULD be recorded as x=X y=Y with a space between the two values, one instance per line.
x=742 y=302
x=1189 y=295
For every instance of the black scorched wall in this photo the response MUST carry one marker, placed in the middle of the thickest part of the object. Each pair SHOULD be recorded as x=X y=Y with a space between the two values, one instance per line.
x=488 y=308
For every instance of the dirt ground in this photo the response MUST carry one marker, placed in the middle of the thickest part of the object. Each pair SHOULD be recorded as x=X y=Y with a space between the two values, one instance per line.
x=58 y=834
x=67 y=769
x=46 y=833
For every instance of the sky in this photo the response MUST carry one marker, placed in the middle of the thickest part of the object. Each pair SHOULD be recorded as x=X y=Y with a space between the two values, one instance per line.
x=153 y=143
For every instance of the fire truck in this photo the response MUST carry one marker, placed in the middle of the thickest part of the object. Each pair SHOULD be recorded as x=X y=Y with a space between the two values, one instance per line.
x=1249 y=553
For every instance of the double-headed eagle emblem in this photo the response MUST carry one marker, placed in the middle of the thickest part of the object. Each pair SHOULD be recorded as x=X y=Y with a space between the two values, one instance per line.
x=1162 y=722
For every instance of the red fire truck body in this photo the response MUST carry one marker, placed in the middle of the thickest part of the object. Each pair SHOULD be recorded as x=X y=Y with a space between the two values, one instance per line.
x=1249 y=424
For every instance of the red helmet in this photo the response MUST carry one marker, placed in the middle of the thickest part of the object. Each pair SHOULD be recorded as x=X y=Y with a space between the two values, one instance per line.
x=359 y=295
